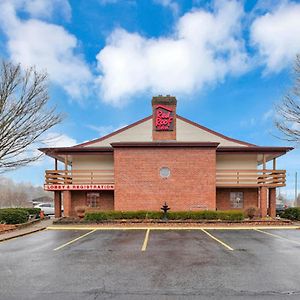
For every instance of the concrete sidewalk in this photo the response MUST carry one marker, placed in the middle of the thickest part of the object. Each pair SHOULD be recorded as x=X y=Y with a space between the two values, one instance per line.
x=27 y=230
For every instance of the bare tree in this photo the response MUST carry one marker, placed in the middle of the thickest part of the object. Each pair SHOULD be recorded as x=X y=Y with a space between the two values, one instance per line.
x=16 y=194
x=24 y=114
x=288 y=111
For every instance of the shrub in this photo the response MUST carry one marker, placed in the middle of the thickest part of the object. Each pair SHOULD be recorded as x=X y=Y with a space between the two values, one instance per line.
x=231 y=215
x=250 y=212
x=32 y=210
x=292 y=213
x=13 y=215
x=155 y=215
x=174 y=215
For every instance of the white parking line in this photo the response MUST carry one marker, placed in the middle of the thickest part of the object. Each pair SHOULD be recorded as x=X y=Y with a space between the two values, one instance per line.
x=72 y=241
x=146 y=240
x=216 y=239
x=277 y=236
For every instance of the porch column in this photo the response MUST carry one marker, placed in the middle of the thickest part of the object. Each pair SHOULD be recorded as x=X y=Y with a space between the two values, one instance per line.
x=67 y=203
x=272 y=202
x=57 y=204
x=263 y=201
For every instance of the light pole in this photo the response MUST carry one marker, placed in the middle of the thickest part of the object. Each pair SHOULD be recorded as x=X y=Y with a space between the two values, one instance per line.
x=296 y=192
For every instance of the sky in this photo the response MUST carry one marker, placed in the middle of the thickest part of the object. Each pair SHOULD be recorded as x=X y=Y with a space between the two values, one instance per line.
x=227 y=62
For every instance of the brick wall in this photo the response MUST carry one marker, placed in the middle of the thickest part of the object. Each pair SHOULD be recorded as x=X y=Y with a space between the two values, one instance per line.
x=191 y=185
x=171 y=103
x=223 y=197
x=106 y=201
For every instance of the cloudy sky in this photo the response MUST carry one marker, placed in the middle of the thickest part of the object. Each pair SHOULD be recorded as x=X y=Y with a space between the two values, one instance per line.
x=227 y=62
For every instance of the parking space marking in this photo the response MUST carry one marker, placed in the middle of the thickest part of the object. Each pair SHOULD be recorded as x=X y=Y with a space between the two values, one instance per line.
x=73 y=241
x=216 y=239
x=277 y=236
x=146 y=240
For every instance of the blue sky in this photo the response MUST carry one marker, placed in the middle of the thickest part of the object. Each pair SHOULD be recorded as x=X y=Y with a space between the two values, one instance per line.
x=227 y=62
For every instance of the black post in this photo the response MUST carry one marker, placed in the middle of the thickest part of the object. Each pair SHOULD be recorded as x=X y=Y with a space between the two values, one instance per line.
x=165 y=209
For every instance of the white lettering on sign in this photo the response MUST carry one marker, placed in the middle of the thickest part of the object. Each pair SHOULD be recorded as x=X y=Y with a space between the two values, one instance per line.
x=75 y=187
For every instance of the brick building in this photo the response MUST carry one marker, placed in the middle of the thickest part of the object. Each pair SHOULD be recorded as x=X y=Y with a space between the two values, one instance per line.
x=165 y=157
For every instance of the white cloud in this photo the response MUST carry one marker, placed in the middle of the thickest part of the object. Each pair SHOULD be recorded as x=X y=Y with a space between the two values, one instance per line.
x=268 y=115
x=204 y=48
x=54 y=139
x=173 y=5
x=106 y=129
x=47 y=8
x=276 y=35
x=47 y=46
x=248 y=122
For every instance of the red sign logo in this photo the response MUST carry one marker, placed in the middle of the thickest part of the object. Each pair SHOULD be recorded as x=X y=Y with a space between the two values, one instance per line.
x=164 y=118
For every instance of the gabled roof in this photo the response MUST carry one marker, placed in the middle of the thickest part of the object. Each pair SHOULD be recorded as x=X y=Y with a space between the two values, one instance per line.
x=216 y=136
x=114 y=132
x=189 y=134
x=214 y=132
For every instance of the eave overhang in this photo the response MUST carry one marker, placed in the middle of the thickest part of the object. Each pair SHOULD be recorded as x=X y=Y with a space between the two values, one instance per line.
x=256 y=149
x=166 y=144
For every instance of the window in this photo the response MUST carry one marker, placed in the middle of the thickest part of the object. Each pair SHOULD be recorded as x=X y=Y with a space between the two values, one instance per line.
x=164 y=172
x=237 y=199
x=93 y=199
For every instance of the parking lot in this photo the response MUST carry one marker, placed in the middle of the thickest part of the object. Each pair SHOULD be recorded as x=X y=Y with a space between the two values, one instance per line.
x=152 y=264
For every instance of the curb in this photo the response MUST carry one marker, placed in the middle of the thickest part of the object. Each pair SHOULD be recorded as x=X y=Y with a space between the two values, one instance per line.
x=103 y=228
x=22 y=234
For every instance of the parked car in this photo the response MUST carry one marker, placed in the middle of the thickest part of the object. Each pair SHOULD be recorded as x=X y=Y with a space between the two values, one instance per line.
x=280 y=208
x=47 y=208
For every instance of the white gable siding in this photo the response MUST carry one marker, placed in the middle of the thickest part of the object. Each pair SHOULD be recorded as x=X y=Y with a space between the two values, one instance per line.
x=186 y=132
x=140 y=133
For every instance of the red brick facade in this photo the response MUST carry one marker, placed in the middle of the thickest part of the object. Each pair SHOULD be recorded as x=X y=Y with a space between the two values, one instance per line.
x=79 y=198
x=191 y=185
x=139 y=186
x=223 y=197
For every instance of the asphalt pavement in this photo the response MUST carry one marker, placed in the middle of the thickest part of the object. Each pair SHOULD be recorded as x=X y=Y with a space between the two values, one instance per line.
x=151 y=264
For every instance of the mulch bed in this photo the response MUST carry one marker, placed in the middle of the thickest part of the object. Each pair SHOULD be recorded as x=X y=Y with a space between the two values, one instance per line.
x=4 y=228
x=74 y=221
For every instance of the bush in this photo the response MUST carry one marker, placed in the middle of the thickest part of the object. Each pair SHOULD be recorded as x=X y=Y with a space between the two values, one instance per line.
x=174 y=215
x=13 y=215
x=292 y=213
x=231 y=215
x=119 y=215
x=32 y=210
x=251 y=212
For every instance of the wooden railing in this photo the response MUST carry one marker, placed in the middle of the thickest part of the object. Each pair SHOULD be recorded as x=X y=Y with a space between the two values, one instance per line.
x=250 y=178
x=79 y=177
x=224 y=178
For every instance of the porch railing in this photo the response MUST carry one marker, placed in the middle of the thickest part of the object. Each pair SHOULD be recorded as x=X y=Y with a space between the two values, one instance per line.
x=250 y=178
x=79 y=177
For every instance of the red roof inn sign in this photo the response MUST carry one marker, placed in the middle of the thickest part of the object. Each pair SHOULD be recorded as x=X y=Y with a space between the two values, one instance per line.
x=78 y=187
x=164 y=118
